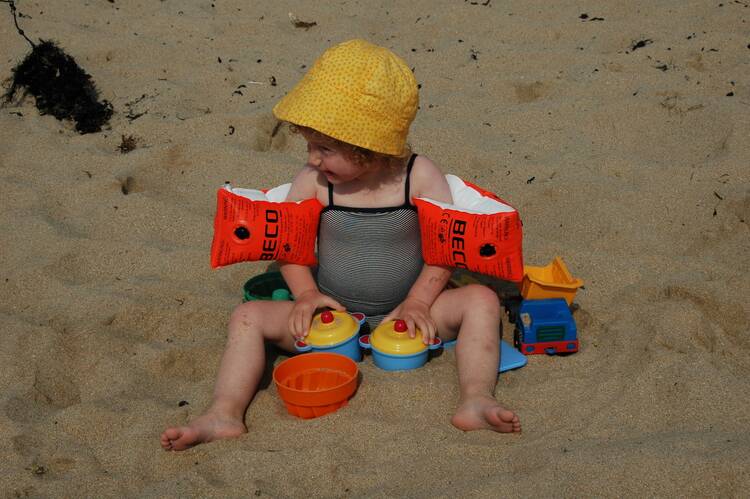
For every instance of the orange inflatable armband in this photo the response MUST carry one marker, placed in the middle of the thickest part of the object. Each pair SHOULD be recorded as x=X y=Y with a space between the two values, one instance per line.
x=255 y=225
x=479 y=232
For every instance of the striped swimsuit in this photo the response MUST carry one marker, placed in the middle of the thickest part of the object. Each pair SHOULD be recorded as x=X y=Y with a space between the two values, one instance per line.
x=369 y=258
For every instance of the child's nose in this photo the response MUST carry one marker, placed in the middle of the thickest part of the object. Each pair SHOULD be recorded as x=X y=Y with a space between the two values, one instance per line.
x=313 y=159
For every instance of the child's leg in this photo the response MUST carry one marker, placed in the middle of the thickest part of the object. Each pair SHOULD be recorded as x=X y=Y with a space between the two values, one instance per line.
x=250 y=326
x=473 y=314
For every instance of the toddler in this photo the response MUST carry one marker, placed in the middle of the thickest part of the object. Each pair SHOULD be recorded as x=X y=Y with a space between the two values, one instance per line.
x=354 y=108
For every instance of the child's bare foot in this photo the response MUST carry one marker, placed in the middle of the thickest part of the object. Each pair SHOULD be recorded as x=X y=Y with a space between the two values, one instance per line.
x=205 y=428
x=484 y=413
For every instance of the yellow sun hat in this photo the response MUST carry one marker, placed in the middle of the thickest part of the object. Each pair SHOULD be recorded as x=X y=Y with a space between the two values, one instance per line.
x=356 y=92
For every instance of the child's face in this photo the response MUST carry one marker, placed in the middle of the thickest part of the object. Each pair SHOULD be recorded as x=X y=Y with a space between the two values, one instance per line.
x=331 y=159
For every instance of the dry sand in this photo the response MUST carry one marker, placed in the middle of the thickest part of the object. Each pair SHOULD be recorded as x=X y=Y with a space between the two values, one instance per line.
x=632 y=164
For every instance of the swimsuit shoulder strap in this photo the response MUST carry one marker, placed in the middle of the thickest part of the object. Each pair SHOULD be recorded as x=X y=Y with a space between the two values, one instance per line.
x=330 y=194
x=409 y=166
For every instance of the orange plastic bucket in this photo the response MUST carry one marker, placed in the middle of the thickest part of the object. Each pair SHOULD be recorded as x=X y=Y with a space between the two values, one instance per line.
x=316 y=383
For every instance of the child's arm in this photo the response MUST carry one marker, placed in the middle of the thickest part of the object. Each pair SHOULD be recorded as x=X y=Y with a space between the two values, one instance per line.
x=415 y=309
x=299 y=278
x=427 y=181
x=307 y=298
x=305 y=185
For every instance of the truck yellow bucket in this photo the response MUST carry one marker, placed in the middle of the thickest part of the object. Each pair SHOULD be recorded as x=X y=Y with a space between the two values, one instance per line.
x=551 y=281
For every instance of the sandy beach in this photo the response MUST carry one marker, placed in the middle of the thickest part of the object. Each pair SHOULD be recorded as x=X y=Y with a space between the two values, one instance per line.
x=619 y=130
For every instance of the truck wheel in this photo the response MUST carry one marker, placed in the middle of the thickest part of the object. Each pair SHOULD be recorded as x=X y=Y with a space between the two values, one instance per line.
x=517 y=338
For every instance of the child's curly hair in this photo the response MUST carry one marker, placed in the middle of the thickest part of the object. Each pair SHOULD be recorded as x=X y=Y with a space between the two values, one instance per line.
x=359 y=155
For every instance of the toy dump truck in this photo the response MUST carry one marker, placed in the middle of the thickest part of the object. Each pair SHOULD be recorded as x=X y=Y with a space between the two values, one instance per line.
x=545 y=326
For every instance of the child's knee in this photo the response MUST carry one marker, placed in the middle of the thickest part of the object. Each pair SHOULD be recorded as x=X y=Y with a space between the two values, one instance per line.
x=267 y=319
x=245 y=315
x=482 y=298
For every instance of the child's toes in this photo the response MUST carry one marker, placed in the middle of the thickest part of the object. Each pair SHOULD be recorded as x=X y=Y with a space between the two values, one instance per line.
x=169 y=436
x=503 y=420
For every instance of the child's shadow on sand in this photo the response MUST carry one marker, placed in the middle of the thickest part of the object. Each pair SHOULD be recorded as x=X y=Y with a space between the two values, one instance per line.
x=272 y=351
x=272 y=354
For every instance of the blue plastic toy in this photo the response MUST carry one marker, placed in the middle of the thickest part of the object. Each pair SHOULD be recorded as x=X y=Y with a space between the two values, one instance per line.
x=334 y=332
x=545 y=326
x=510 y=358
x=393 y=349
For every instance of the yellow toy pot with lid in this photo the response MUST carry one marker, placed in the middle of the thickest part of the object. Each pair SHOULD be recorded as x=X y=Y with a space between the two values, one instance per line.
x=334 y=332
x=393 y=349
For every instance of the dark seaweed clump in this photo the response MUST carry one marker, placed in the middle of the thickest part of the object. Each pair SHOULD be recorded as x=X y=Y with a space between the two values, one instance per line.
x=61 y=88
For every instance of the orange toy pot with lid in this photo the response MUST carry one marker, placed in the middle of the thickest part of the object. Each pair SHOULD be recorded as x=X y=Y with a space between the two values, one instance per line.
x=393 y=349
x=334 y=332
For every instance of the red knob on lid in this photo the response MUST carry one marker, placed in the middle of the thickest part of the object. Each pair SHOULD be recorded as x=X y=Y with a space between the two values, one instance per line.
x=400 y=326
x=326 y=317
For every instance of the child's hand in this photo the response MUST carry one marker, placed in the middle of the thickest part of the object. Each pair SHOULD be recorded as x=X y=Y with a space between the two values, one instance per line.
x=305 y=306
x=416 y=314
